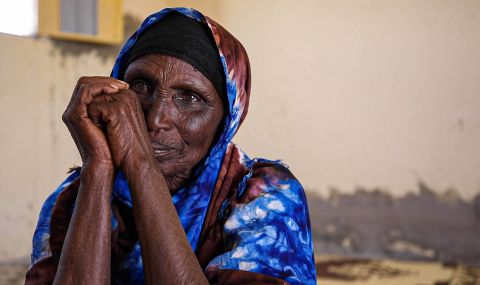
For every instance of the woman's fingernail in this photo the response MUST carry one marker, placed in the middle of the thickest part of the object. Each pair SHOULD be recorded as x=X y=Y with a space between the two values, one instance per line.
x=114 y=86
x=122 y=82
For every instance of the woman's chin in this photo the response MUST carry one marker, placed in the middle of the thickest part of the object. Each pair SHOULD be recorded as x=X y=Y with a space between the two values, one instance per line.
x=174 y=183
x=175 y=175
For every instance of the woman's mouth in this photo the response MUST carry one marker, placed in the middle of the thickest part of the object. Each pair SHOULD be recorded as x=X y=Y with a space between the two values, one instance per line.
x=164 y=151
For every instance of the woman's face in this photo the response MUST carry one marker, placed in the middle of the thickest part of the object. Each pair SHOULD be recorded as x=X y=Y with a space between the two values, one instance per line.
x=182 y=112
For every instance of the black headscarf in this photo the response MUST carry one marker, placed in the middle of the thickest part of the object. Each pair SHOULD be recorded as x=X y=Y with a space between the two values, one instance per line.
x=187 y=39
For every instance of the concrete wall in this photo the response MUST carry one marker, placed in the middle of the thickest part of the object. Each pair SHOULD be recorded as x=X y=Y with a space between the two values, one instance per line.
x=365 y=93
x=37 y=77
x=349 y=93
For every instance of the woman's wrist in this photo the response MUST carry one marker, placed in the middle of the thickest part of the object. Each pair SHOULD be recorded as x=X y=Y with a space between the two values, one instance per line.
x=97 y=175
x=93 y=165
x=140 y=167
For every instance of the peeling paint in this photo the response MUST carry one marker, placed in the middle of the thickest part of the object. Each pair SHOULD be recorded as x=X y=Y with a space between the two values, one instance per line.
x=426 y=225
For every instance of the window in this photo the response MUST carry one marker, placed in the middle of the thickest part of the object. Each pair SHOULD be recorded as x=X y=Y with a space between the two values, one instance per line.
x=79 y=16
x=98 y=21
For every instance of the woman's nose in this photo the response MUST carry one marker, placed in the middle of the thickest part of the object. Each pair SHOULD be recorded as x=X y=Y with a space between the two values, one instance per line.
x=159 y=115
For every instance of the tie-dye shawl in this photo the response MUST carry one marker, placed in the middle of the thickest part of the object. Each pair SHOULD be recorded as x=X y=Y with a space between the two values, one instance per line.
x=269 y=235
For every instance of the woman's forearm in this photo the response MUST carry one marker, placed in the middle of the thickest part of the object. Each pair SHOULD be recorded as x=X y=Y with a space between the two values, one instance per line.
x=166 y=253
x=85 y=257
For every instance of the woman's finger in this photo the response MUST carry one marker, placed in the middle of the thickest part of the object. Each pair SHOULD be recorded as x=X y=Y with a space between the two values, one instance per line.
x=86 y=93
x=107 y=107
x=98 y=112
x=99 y=79
x=103 y=105
x=86 y=82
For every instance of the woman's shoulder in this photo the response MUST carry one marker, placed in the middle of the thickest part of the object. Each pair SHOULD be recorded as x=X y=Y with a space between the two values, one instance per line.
x=259 y=189
x=268 y=177
x=268 y=192
x=266 y=225
x=270 y=186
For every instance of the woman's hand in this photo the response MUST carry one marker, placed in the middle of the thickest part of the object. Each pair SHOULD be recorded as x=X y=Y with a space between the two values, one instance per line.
x=89 y=138
x=85 y=257
x=166 y=253
x=121 y=117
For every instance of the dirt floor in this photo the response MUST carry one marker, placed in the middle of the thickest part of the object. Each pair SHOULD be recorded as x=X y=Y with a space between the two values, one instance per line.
x=347 y=271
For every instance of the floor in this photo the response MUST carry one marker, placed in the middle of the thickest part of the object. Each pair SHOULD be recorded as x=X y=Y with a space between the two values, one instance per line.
x=343 y=271
x=347 y=271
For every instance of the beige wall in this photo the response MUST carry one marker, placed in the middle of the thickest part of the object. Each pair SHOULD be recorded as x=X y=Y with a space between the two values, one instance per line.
x=368 y=93
x=349 y=93
x=36 y=149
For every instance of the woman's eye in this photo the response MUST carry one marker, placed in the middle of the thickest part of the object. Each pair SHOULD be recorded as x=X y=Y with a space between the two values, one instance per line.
x=140 y=86
x=187 y=97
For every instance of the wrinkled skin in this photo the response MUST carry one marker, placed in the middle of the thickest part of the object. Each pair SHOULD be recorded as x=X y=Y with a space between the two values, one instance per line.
x=155 y=126
x=182 y=112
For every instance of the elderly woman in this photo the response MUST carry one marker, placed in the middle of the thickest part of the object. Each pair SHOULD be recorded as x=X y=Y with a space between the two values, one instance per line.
x=163 y=195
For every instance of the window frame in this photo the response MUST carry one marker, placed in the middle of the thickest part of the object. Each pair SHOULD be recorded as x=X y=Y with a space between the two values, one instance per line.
x=110 y=22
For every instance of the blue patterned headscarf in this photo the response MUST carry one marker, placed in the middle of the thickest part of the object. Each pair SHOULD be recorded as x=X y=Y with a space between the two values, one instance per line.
x=191 y=201
x=287 y=220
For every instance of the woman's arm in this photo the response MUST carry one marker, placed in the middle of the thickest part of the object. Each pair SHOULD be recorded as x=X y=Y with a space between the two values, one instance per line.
x=85 y=257
x=166 y=253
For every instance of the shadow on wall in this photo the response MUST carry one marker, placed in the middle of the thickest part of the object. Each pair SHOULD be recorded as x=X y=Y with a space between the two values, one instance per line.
x=418 y=226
